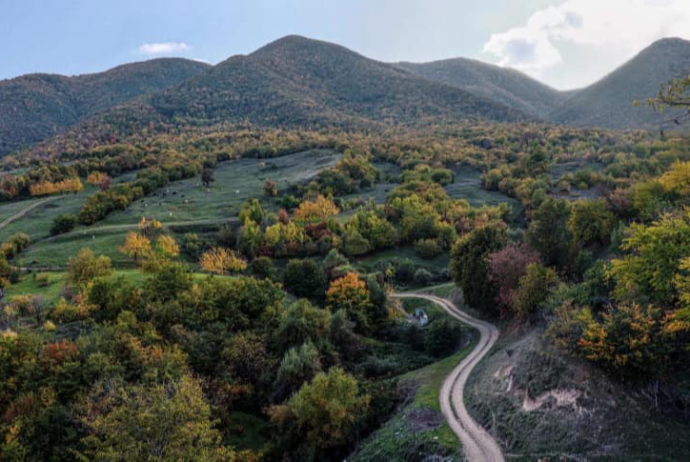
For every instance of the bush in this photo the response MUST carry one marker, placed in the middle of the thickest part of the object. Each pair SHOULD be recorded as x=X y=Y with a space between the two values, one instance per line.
x=63 y=223
x=442 y=338
x=423 y=277
x=427 y=248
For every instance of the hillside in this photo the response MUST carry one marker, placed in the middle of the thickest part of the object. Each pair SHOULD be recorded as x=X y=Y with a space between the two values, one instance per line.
x=609 y=102
x=303 y=83
x=34 y=107
x=505 y=86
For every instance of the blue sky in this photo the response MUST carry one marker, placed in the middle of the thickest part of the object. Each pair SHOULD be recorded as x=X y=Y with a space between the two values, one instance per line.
x=566 y=43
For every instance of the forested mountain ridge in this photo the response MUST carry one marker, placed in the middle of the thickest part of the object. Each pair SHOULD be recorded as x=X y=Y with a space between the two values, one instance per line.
x=503 y=85
x=36 y=106
x=609 y=102
x=298 y=82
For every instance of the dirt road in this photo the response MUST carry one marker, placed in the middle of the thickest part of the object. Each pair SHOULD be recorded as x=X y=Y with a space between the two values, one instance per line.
x=23 y=212
x=477 y=444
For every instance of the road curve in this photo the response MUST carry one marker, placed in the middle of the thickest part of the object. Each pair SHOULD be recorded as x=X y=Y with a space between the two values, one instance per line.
x=477 y=443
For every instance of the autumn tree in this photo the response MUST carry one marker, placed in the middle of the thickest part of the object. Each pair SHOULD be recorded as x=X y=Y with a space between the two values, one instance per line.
x=350 y=294
x=149 y=422
x=86 y=267
x=137 y=246
x=677 y=179
x=220 y=260
x=318 y=209
x=506 y=267
x=270 y=188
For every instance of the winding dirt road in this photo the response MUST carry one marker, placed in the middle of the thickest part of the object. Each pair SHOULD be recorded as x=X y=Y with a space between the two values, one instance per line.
x=477 y=443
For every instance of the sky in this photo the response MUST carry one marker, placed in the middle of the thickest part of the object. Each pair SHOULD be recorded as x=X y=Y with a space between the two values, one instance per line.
x=564 y=43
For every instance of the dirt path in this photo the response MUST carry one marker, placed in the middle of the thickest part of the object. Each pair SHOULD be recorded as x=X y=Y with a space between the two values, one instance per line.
x=87 y=231
x=477 y=443
x=23 y=212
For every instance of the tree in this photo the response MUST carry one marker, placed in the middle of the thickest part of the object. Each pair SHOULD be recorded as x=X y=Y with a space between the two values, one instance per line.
x=652 y=260
x=317 y=209
x=137 y=246
x=303 y=323
x=442 y=338
x=299 y=365
x=63 y=223
x=270 y=188
x=149 y=422
x=591 y=222
x=207 y=177
x=246 y=357
x=534 y=288
x=305 y=278
x=677 y=179
x=350 y=294
x=262 y=268
x=506 y=267
x=469 y=266
x=252 y=210
x=630 y=339
x=220 y=260
x=323 y=412
x=86 y=267
x=548 y=232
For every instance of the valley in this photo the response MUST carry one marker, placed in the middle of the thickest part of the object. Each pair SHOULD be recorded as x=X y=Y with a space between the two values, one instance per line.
x=302 y=253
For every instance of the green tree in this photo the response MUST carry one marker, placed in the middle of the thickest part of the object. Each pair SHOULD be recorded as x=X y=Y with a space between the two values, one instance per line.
x=155 y=422
x=303 y=323
x=534 y=289
x=548 y=232
x=63 y=223
x=469 y=266
x=652 y=261
x=86 y=267
x=305 y=278
x=324 y=413
x=591 y=222
x=299 y=365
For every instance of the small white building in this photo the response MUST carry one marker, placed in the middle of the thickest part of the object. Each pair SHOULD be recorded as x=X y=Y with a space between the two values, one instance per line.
x=421 y=317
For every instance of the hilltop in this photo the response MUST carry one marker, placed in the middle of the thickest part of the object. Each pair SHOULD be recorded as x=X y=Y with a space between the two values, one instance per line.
x=36 y=106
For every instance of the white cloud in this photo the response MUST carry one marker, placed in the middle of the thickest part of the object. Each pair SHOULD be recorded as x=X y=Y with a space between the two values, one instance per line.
x=616 y=28
x=163 y=48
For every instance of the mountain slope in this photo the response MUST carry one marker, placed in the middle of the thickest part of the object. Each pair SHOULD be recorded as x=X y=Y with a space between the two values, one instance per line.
x=36 y=106
x=609 y=102
x=505 y=86
x=299 y=82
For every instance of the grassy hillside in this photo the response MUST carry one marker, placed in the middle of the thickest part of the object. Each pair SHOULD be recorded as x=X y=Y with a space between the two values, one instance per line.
x=609 y=102
x=505 y=86
x=34 y=107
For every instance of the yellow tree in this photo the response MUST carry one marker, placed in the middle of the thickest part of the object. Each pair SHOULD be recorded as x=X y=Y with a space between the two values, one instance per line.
x=349 y=293
x=167 y=247
x=677 y=179
x=136 y=246
x=219 y=260
x=317 y=209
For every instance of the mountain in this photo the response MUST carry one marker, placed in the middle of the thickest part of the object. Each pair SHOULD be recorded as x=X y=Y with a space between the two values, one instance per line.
x=34 y=107
x=609 y=102
x=503 y=85
x=303 y=83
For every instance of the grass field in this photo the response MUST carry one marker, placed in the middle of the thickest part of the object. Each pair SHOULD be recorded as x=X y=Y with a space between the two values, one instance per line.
x=181 y=202
x=54 y=290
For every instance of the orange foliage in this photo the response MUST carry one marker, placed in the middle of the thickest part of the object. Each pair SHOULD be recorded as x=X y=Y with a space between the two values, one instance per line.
x=47 y=188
